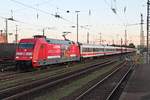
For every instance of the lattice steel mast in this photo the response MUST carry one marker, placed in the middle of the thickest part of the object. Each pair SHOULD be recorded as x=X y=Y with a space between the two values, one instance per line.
x=142 y=33
x=148 y=24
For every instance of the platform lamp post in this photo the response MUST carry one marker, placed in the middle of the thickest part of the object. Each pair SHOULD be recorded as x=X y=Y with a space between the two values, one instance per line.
x=77 y=25
x=6 y=19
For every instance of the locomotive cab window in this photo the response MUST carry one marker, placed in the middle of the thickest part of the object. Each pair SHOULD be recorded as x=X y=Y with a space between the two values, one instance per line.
x=26 y=45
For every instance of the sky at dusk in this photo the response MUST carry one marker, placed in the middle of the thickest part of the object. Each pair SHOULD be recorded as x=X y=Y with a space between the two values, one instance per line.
x=95 y=16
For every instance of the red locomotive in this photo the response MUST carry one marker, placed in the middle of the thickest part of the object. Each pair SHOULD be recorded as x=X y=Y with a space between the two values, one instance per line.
x=40 y=51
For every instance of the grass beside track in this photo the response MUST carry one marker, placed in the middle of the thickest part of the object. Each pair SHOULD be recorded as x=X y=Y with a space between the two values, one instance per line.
x=138 y=59
x=73 y=86
x=141 y=60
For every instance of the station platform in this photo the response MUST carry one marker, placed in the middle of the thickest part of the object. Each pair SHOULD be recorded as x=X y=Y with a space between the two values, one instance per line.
x=138 y=86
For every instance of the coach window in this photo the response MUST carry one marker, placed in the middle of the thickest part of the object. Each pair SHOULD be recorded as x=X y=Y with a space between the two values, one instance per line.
x=101 y=49
x=94 y=49
x=90 y=49
x=97 y=49
x=83 y=49
x=107 y=49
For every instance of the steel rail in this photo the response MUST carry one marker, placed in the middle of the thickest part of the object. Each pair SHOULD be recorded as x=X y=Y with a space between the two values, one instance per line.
x=22 y=90
x=119 y=83
x=94 y=86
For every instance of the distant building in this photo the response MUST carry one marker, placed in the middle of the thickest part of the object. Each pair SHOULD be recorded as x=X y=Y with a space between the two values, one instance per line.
x=2 y=38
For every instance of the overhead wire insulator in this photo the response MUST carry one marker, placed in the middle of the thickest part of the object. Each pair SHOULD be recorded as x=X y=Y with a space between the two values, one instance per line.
x=57 y=16
x=37 y=15
x=113 y=6
x=125 y=8
x=114 y=10
x=89 y=12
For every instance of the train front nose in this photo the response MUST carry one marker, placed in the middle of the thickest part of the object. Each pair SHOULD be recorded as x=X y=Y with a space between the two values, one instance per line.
x=24 y=55
x=24 y=60
x=25 y=51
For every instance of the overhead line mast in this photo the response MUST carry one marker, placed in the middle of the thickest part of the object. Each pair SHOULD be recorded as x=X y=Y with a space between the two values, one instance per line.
x=142 y=33
x=148 y=35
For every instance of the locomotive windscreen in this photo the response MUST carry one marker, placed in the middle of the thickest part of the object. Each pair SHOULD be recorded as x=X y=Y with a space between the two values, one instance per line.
x=26 y=45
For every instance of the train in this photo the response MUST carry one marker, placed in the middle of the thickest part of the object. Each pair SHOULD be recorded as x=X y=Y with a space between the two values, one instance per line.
x=41 y=51
x=7 y=51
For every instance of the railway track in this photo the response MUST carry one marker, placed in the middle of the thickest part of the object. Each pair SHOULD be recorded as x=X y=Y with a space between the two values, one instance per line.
x=107 y=87
x=6 y=74
x=121 y=84
x=7 y=65
x=9 y=75
x=19 y=91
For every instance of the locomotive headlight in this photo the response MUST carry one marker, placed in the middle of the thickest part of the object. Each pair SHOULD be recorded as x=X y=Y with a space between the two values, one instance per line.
x=19 y=53
x=17 y=57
